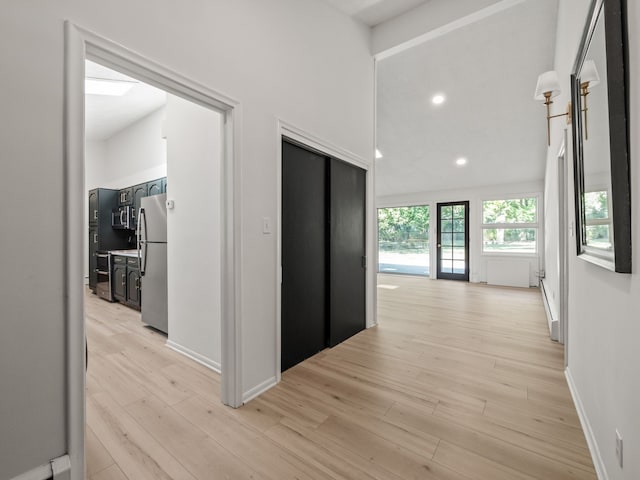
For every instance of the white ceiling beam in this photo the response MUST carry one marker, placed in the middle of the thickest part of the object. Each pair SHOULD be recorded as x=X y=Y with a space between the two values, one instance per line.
x=431 y=20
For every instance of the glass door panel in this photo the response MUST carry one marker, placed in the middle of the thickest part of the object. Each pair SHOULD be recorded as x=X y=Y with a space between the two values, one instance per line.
x=453 y=241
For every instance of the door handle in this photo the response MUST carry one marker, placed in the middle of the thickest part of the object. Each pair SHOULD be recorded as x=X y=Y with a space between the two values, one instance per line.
x=142 y=241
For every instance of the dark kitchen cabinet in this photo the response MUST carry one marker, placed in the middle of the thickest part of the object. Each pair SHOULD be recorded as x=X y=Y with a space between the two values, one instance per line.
x=93 y=260
x=133 y=287
x=155 y=187
x=125 y=280
x=93 y=206
x=125 y=196
x=101 y=202
x=139 y=192
x=102 y=237
x=119 y=278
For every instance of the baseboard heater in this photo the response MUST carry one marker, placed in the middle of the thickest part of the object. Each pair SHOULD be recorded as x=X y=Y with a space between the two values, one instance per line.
x=57 y=469
x=553 y=322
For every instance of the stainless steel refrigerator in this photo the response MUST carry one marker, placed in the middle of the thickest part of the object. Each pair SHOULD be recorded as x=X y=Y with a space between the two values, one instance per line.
x=152 y=254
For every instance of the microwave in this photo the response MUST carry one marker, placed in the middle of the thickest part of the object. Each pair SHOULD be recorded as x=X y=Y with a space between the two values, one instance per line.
x=122 y=218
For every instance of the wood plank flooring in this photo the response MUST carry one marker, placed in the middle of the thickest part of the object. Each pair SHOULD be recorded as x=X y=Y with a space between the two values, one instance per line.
x=458 y=382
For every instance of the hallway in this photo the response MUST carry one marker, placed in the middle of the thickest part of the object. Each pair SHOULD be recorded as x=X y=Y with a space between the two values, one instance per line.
x=459 y=381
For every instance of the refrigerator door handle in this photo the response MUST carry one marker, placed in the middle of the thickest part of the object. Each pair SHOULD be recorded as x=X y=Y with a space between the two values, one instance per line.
x=142 y=234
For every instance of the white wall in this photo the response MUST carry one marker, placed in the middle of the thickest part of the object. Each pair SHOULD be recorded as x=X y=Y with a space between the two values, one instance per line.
x=95 y=157
x=134 y=155
x=194 y=149
x=477 y=260
x=95 y=154
x=298 y=60
x=604 y=327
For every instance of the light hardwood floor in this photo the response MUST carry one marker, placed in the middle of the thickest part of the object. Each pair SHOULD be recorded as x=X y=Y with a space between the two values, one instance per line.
x=459 y=381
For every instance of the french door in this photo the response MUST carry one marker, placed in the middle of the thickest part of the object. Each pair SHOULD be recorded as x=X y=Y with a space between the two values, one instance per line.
x=453 y=241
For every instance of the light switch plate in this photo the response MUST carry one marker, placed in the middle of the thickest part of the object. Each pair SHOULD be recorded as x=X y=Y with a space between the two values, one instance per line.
x=266 y=225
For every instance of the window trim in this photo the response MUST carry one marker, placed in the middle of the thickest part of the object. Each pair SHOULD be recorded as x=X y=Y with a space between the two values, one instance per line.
x=429 y=234
x=511 y=226
x=608 y=220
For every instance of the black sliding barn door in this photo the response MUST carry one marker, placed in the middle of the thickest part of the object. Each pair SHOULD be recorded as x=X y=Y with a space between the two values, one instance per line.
x=346 y=251
x=303 y=324
x=323 y=248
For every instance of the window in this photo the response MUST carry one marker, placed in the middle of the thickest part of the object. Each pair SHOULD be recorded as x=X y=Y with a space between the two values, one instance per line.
x=403 y=240
x=510 y=225
x=597 y=220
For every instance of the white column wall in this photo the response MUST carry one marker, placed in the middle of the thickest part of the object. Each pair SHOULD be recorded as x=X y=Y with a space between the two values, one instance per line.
x=194 y=150
x=604 y=328
x=301 y=61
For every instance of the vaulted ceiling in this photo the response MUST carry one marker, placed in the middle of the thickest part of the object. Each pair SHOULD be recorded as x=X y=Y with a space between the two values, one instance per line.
x=487 y=69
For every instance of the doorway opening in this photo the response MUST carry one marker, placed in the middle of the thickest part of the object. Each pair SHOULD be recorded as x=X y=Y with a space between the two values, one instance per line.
x=82 y=45
x=453 y=241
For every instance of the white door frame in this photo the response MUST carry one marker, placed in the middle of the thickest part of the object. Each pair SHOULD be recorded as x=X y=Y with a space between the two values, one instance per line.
x=562 y=215
x=287 y=130
x=563 y=246
x=81 y=44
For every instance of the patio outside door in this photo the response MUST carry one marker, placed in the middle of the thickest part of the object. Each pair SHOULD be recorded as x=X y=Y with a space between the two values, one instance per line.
x=453 y=241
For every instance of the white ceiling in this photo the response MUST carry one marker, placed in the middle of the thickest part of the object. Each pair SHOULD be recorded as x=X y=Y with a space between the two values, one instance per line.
x=373 y=12
x=488 y=72
x=106 y=115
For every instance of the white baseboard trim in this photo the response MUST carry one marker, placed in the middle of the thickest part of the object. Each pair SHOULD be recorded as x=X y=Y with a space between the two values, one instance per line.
x=195 y=356
x=58 y=469
x=601 y=471
x=258 y=389
x=554 y=325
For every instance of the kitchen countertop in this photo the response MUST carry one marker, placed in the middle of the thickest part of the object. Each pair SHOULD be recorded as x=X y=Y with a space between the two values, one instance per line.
x=124 y=253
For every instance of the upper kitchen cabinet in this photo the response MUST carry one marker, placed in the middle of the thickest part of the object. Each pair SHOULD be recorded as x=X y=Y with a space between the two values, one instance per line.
x=155 y=187
x=125 y=196
x=93 y=206
x=101 y=203
x=139 y=192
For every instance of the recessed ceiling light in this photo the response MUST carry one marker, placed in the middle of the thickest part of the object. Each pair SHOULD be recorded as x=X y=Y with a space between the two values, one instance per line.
x=378 y=154
x=105 y=86
x=438 y=99
x=461 y=161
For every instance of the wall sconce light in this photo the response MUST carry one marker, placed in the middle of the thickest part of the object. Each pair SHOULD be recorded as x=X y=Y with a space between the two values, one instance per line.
x=588 y=78
x=547 y=88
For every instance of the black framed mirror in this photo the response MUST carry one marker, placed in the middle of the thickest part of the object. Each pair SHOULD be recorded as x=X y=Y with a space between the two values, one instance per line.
x=599 y=86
